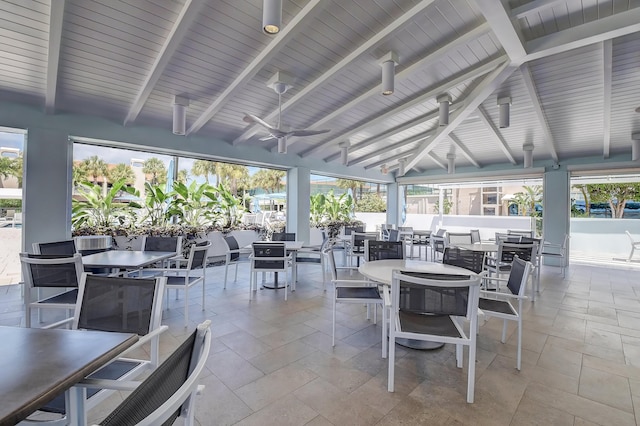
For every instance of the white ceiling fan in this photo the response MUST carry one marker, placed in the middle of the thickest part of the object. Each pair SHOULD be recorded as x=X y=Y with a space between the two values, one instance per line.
x=278 y=132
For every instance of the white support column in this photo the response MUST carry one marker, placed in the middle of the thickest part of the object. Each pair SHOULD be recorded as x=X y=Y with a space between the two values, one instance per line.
x=47 y=187
x=556 y=208
x=298 y=202
x=393 y=203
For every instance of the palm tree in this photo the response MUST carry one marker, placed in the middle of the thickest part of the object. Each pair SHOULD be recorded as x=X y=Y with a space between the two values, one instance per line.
x=6 y=169
x=206 y=168
x=122 y=171
x=183 y=176
x=268 y=179
x=233 y=174
x=79 y=174
x=156 y=168
x=351 y=184
x=95 y=167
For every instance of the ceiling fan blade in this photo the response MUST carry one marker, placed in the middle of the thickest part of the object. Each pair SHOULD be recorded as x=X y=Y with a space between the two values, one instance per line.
x=250 y=118
x=267 y=138
x=304 y=132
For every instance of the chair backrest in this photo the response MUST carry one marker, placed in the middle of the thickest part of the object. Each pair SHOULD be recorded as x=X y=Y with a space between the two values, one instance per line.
x=283 y=236
x=475 y=236
x=119 y=304
x=454 y=238
x=507 y=251
x=328 y=252
x=232 y=243
x=10 y=214
x=518 y=276
x=521 y=232
x=467 y=259
x=198 y=255
x=358 y=239
x=169 y=392
x=54 y=271
x=630 y=237
x=274 y=253
x=435 y=294
x=394 y=235
x=509 y=238
x=348 y=230
x=379 y=250
x=440 y=232
x=405 y=228
x=153 y=243
x=58 y=248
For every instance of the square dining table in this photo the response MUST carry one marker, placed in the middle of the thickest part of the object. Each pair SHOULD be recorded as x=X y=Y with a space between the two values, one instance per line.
x=37 y=364
x=125 y=259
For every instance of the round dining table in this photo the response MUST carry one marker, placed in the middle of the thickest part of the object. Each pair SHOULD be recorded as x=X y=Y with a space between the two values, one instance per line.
x=381 y=271
x=484 y=247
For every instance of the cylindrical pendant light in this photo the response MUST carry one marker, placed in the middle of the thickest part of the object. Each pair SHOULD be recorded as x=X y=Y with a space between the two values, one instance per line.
x=282 y=145
x=180 y=104
x=344 y=152
x=635 y=146
x=528 y=155
x=401 y=166
x=388 y=64
x=444 y=101
x=505 y=106
x=271 y=16
x=451 y=163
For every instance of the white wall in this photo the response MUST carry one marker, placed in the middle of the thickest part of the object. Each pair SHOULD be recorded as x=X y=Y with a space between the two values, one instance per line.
x=603 y=238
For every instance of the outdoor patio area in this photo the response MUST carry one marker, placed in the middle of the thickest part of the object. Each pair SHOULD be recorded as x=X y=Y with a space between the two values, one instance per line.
x=272 y=361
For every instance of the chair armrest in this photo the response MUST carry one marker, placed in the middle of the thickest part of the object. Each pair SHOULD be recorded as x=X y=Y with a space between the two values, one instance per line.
x=57 y=324
x=120 y=385
x=145 y=339
x=497 y=294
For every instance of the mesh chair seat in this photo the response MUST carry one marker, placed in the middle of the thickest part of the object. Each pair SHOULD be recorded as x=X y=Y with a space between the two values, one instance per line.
x=496 y=306
x=68 y=297
x=174 y=280
x=442 y=325
x=357 y=293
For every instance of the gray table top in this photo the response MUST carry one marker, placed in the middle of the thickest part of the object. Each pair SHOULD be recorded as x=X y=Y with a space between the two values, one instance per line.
x=486 y=247
x=125 y=259
x=290 y=245
x=382 y=270
x=38 y=364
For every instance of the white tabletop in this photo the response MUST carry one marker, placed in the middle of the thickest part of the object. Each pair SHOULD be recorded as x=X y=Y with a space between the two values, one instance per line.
x=125 y=259
x=381 y=270
x=290 y=245
x=486 y=247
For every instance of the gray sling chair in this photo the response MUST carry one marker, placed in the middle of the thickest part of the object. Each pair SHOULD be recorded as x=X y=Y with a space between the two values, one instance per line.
x=169 y=392
x=114 y=304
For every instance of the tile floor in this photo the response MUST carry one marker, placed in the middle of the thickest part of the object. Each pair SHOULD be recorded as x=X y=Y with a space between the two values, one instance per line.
x=272 y=362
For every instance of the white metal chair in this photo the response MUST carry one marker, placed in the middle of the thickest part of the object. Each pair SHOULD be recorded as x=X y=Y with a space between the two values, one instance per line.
x=555 y=251
x=498 y=303
x=269 y=256
x=358 y=291
x=234 y=256
x=49 y=273
x=438 y=242
x=114 y=304
x=635 y=244
x=431 y=307
x=170 y=391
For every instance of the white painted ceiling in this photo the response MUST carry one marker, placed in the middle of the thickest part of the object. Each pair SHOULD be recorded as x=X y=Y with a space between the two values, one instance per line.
x=571 y=68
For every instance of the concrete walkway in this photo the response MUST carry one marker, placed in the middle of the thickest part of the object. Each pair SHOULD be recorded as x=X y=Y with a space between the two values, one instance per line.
x=10 y=243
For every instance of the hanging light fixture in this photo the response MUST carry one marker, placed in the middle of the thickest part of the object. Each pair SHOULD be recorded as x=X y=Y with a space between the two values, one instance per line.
x=444 y=101
x=451 y=163
x=528 y=155
x=271 y=16
x=344 y=152
x=635 y=146
x=180 y=104
x=384 y=169
x=388 y=63
x=505 y=106
x=401 y=166
x=282 y=145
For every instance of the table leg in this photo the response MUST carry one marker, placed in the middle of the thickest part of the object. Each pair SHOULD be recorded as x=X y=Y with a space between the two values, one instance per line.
x=76 y=397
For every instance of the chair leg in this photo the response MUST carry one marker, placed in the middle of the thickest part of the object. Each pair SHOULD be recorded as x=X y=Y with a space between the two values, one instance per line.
x=286 y=284
x=226 y=270
x=471 y=372
x=459 y=356
x=504 y=331
x=333 y=324
x=186 y=306
x=235 y=277
x=204 y=279
x=384 y=331
x=519 y=356
x=631 y=254
x=392 y=358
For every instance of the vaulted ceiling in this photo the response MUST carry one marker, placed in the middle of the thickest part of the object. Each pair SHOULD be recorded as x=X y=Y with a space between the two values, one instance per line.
x=571 y=69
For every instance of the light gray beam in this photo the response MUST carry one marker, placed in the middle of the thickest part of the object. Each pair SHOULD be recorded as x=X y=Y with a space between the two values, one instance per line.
x=417 y=138
x=486 y=119
x=488 y=85
x=592 y=32
x=362 y=49
x=465 y=151
x=56 y=18
x=537 y=107
x=437 y=160
x=533 y=7
x=263 y=58
x=389 y=159
x=187 y=16
x=406 y=72
x=502 y=26
x=607 y=53
x=469 y=74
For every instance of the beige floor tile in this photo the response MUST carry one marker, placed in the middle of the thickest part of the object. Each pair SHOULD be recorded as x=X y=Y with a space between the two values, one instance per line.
x=579 y=406
x=287 y=411
x=319 y=420
x=334 y=371
x=233 y=370
x=606 y=388
x=245 y=344
x=322 y=342
x=279 y=357
x=532 y=413
x=219 y=402
x=287 y=335
x=258 y=394
x=632 y=354
x=621 y=369
x=557 y=358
